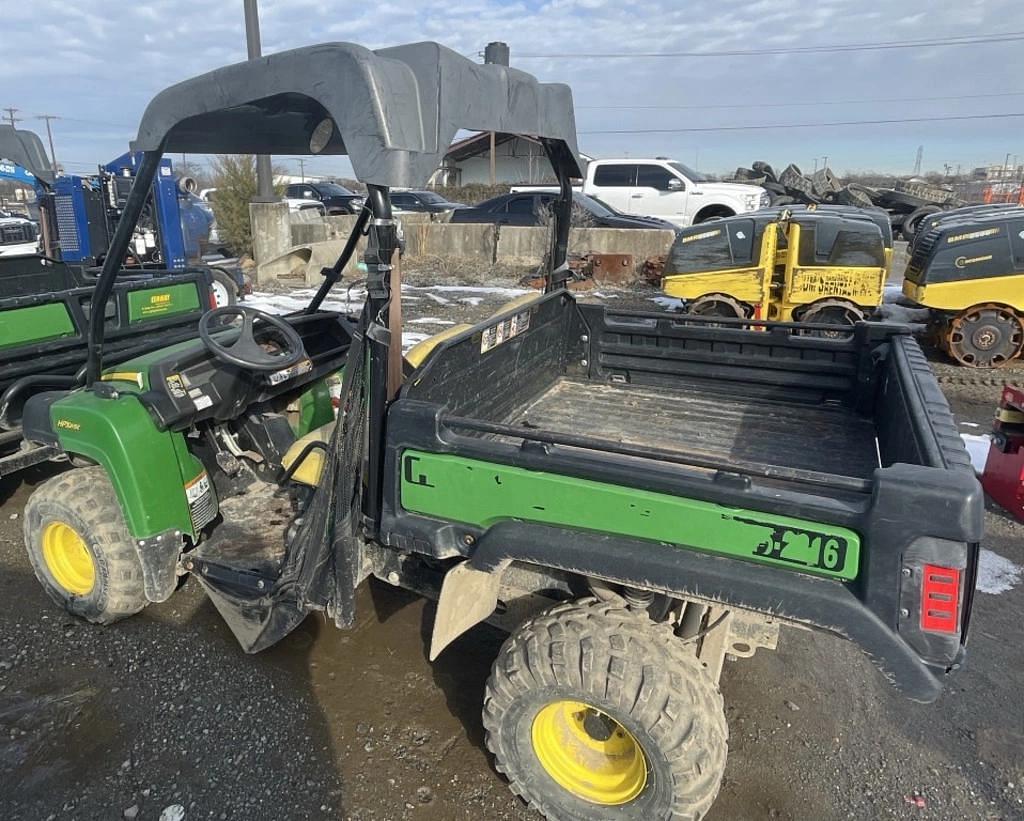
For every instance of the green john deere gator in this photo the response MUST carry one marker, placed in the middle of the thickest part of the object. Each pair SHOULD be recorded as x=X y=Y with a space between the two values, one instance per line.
x=632 y=495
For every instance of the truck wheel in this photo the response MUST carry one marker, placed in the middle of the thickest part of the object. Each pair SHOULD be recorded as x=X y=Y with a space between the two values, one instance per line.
x=594 y=712
x=985 y=336
x=225 y=291
x=80 y=549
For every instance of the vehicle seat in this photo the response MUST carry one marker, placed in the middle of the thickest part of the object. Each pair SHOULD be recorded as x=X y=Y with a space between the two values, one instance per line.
x=312 y=467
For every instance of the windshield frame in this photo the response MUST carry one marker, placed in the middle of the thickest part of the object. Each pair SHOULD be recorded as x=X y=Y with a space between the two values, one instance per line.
x=686 y=171
x=324 y=188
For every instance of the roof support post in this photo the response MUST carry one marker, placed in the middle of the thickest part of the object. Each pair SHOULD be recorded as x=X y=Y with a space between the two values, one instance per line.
x=115 y=258
x=381 y=339
x=558 y=270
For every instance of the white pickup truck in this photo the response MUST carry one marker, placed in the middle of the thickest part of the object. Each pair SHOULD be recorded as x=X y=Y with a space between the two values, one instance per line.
x=669 y=190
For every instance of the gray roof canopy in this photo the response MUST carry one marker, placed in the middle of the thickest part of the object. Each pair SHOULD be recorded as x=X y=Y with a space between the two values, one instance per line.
x=24 y=148
x=395 y=110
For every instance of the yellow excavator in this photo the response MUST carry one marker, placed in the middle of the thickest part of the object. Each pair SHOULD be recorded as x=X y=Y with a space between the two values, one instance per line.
x=814 y=265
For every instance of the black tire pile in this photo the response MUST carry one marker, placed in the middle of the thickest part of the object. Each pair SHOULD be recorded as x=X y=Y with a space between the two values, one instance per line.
x=907 y=202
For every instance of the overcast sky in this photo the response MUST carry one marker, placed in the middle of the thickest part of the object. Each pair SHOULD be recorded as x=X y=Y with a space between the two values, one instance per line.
x=96 y=63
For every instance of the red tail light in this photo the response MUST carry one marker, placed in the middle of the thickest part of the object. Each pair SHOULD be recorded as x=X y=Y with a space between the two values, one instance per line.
x=213 y=300
x=940 y=599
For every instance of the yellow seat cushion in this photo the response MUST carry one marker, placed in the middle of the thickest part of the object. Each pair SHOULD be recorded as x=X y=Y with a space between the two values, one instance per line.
x=312 y=467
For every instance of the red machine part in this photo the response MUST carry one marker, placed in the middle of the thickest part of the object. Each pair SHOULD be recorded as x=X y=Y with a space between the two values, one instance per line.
x=1003 y=479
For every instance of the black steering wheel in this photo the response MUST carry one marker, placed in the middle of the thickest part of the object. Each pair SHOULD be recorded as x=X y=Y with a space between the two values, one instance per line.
x=243 y=350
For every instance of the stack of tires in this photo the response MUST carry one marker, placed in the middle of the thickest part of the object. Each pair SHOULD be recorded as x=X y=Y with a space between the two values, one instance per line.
x=908 y=202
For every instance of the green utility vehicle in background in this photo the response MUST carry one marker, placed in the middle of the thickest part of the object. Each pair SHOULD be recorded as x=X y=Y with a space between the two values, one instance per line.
x=632 y=495
x=46 y=307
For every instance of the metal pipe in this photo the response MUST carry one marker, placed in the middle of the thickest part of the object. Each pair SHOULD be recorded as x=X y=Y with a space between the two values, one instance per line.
x=333 y=274
x=254 y=49
x=561 y=209
x=380 y=248
x=115 y=256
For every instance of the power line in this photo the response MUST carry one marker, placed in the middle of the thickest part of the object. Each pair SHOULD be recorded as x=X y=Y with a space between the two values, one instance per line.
x=762 y=127
x=961 y=40
x=796 y=103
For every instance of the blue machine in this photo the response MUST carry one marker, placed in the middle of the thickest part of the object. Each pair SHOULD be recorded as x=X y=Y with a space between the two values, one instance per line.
x=87 y=210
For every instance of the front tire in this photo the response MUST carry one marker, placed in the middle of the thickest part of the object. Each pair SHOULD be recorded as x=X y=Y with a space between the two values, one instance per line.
x=594 y=712
x=80 y=549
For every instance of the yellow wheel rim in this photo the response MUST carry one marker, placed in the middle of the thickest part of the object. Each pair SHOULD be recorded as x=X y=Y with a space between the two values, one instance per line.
x=588 y=753
x=68 y=559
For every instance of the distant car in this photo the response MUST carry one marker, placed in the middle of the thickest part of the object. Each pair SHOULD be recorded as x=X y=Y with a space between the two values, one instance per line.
x=528 y=208
x=423 y=202
x=337 y=199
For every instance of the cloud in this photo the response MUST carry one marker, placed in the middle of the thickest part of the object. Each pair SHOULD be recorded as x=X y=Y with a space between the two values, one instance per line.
x=102 y=60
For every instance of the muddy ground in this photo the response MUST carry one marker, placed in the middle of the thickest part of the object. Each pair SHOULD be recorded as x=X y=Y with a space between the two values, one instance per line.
x=165 y=709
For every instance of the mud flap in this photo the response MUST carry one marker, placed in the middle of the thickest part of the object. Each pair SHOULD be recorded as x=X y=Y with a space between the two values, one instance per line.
x=159 y=559
x=468 y=596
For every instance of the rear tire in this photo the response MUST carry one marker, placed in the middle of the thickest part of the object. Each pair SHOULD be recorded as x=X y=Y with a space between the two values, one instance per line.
x=595 y=713
x=80 y=549
x=717 y=305
x=836 y=312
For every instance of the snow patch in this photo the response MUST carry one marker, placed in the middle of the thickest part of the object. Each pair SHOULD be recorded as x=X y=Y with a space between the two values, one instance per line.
x=287 y=303
x=997 y=575
x=471 y=300
x=429 y=320
x=473 y=289
x=440 y=300
x=410 y=338
x=977 y=449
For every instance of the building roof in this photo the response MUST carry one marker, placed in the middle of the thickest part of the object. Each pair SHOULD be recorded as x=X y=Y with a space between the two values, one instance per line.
x=478 y=144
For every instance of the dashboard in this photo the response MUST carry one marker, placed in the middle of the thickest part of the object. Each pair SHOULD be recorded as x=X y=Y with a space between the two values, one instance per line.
x=189 y=384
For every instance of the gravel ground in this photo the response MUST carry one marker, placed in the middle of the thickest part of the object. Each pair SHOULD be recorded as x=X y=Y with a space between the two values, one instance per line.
x=163 y=716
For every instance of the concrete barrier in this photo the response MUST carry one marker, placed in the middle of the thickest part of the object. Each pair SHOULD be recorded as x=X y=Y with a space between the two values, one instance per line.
x=286 y=245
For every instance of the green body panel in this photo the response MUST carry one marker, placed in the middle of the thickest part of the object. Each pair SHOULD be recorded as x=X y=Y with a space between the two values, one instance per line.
x=315 y=408
x=151 y=303
x=36 y=323
x=483 y=493
x=141 y=364
x=148 y=467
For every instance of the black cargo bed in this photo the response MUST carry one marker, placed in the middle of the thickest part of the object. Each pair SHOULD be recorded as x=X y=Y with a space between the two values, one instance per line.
x=827 y=437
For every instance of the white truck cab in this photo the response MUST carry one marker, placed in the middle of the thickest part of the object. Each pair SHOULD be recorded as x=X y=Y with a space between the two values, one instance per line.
x=668 y=189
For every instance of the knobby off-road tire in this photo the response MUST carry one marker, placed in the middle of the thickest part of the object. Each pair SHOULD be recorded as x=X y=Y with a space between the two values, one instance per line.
x=642 y=685
x=97 y=576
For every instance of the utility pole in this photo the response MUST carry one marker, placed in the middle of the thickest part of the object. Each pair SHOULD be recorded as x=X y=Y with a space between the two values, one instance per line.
x=302 y=166
x=815 y=166
x=917 y=160
x=11 y=117
x=495 y=53
x=264 y=173
x=49 y=135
